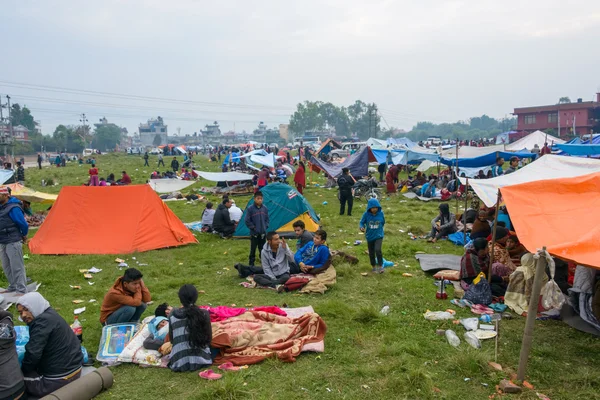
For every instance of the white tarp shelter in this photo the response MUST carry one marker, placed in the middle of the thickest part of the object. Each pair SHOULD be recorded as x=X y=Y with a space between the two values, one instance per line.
x=224 y=176
x=547 y=167
x=529 y=141
x=377 y=144
x=169 y=185
x=471 y=151
x=426 y=164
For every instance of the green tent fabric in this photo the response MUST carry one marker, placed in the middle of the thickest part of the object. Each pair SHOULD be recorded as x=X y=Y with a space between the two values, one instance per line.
x=285 y=205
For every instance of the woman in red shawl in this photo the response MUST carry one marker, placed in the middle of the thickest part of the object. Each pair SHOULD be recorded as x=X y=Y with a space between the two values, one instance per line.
x=389 y=182
x=300 y=177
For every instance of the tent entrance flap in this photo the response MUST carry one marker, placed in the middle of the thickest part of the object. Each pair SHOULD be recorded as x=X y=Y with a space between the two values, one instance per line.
x=309 y=223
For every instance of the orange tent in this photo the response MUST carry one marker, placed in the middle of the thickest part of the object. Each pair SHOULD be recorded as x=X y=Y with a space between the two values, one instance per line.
x=109 y=220
x=561 y=214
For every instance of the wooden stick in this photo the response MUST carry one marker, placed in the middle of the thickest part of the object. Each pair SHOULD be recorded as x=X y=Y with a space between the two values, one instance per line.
x=456 y=173
x=540 y=272
x=464 y=212
x=494 y=238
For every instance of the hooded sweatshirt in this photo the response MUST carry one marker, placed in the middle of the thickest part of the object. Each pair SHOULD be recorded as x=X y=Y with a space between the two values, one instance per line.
x=118 y=297
x=373 y=223
x=313 y=255
x=274 y=266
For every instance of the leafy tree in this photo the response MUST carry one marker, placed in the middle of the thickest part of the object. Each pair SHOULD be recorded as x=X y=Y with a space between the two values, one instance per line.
x=564 y=100
x=157 y=140
x=66 y=138
x=364 y=120
x=21 y=116
x=107 y=137
x=307 y=117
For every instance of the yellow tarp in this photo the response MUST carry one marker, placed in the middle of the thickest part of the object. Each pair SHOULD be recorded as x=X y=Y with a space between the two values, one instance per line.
x=311 y=225
x=33 y=196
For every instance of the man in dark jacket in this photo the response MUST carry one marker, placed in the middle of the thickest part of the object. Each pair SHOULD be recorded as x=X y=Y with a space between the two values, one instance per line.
x=146 y=157
x=53 y=355
x=20 y=173
x=175 y=164
x=257 y=220
x=39 y=161
x=13 y=232
x=11 y=377
x=222 y=223
x=345 y=183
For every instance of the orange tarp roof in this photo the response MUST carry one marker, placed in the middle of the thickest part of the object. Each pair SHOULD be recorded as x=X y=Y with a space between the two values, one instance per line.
x=109 y=220
x=561 y=214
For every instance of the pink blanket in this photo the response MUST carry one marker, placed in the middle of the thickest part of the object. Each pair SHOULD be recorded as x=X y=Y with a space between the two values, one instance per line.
x=221 y=313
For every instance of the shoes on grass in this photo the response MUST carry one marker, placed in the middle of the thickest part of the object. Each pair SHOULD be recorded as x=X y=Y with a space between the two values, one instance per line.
x=210 y=375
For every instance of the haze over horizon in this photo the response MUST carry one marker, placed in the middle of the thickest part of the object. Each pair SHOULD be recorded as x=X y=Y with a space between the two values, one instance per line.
x=193 y=62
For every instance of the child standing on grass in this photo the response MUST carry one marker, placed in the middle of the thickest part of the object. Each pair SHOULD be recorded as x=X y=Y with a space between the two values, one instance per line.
x=372 y=223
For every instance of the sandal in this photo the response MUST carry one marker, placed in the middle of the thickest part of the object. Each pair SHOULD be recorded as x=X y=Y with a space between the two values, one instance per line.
x=210 y=375
x=228 y=366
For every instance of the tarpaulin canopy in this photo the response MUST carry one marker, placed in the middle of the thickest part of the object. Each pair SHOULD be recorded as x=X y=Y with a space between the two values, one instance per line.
x=403 y=141
x=286 y=205
x=504 y=137
x=547 y=167
x=398 y=156
x=169 y=185
x=224 y=176
x=357 y=163
x=483 y=160
x=268 y=160
x=528 y=142
x=5 y=174
x=377 y=144
x=328 y=145
x=559 y=214
x=33 y=196
x=580 y=149
x=404 y=157
x=109 y=220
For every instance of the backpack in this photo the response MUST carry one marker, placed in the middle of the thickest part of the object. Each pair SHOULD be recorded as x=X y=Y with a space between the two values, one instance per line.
x=480 y=291
x=295 y=283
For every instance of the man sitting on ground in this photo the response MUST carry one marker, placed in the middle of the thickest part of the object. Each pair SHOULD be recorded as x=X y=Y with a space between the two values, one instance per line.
x=222 y=222
x=314 y=257
x=125 y=179
x=302 y=234
x=126 y=300
x=275 y=258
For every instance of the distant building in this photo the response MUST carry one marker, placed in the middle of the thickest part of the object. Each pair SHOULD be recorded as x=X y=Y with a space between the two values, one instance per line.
x=19 y=134
x=583 y=116
x=284 y=131
x=266 y=135
x=149 y=130
x=211 y=134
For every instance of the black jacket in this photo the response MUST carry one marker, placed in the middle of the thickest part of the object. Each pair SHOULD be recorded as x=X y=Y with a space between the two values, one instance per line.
x=11 y=377
x=175 y=164
x=345 y=182
x=53 y=349
x=222 y=220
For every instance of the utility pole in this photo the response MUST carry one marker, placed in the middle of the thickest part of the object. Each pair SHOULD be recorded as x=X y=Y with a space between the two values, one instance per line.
x=10 y=127
x=84 y=121
x=370 y=115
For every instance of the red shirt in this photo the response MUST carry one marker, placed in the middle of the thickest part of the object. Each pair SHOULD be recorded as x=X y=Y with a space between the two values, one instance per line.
x=126 y=179
x=93 y=171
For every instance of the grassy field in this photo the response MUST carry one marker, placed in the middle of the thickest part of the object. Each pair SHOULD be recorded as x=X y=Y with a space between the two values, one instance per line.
x=367 y=355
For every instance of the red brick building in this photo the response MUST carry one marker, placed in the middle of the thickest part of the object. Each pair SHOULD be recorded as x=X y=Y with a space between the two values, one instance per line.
x=561 y=117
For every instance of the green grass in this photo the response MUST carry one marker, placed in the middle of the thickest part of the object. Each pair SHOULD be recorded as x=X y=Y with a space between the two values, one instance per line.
x=367 y=355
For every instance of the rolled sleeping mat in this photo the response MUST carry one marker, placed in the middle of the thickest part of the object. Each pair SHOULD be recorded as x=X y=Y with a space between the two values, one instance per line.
x=85 y=388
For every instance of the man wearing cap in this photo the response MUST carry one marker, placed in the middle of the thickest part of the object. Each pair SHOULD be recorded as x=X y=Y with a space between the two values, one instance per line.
x=514 y=165
x=13 y=232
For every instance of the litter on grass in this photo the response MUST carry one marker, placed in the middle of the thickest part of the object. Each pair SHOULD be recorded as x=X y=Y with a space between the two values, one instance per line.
x=78 y=311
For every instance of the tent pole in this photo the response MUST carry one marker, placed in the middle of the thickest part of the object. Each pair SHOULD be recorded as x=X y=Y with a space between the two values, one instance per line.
x=456 y=172
x=540 y=271
x=464 y=216
x=494 y=237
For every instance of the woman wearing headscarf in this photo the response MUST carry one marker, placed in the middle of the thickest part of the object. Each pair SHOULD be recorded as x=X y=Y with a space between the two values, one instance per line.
x=520 y=286
x=502 y=265
x=442 y=225
x=53 y=355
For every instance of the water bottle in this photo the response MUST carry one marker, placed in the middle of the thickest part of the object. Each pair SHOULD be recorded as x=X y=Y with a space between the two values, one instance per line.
x=385 y=310
x=452 y=338
x=486 y=318
x=77 y=329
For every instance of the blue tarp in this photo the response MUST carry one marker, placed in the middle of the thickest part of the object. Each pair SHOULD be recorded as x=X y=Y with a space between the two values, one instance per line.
x=580 y=149
x=402 y=141
x=483 y=161
x=357 y=163
x=404 y=157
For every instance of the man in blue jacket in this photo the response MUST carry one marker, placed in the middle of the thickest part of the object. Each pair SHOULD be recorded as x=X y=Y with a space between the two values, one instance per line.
x=314 y=256
x=372 y=223
x=257 y=220
x=13 y=232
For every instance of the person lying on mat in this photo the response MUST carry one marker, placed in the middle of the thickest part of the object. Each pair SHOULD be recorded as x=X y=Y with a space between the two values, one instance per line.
x=53 y=355
x=313 y=257
x=159 y=328
x=163 y=310
x=126 y=300
x=275 y=258
x=190 y=334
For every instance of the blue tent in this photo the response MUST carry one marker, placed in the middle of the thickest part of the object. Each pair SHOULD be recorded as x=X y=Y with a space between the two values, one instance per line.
x=580 y=149
x=483 y=161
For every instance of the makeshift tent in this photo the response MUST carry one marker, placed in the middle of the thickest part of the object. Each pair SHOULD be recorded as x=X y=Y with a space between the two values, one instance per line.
x=528 y=142
x=403 y=141
x=558 y=214
x=224 y=176
x=358 y=163
x=169 y=185
x=377 y=144
x=486 y=158
x=504 y=137
x=109 y=220
x=580 y=149
x=5 y=175
x=426 y=165
x=547 y=167
x=327 y=146
x=179 y=150
x=234 y=156
x=398 y=156
x=285 y=206
x=33 y=196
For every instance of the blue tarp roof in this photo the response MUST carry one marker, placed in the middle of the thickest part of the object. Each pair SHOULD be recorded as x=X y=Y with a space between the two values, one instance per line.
x=483 y=161
x=580 y=149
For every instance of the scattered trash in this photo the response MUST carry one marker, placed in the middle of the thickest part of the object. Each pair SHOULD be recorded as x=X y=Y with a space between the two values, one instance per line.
x=25 y=256
x=75 y=287
x=472 y=340
x=439 y=315
x=365 y=387
x=542 y=396
x=486 y=327
x=467 y=379
x=92 y=300
x=201 y=292
x=224 y=252
x=485 y=385
x=407 y=275
x=528 y=385
x=77 y=301
x=91 y=283
x=401 y=230
x=88 y=276
x=494 y=365
x=83 y=271
x=440 y=332
x=119 y=260
x=94 y=270
x=385 y=310
x=123 y=265
x=452 y=338
x=507 y=386
x=364 y=273
x=483 y=334
x=180 y=263
x=142 y=264
x=486 y=318
x=325 y=203
x=357 y=242
x=507 y=315
x=133 y=258
x=78 y=311
x=470 y=324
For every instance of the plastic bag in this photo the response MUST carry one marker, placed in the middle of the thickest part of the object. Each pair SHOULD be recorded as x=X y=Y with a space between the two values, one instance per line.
x=470 y=324
x=452 y=338
x=552 y=297
x=438 y=315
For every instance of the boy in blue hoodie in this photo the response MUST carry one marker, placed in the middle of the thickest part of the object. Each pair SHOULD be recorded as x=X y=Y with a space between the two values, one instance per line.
x=372 y=223
x=312 y=257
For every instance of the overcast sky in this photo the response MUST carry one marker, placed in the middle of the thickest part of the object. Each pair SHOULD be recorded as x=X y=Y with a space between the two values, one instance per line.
x=240 y=62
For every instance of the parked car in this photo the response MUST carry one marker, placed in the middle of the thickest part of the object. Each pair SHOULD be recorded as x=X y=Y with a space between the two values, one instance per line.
x=346 y=149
